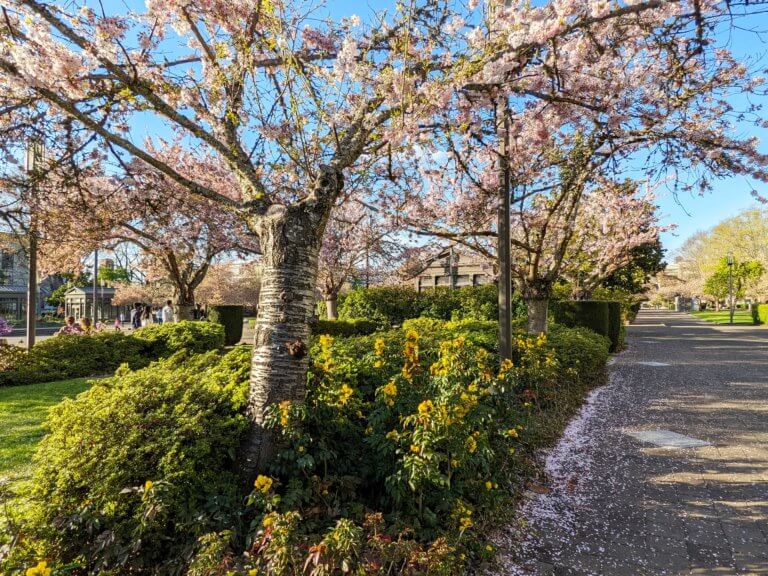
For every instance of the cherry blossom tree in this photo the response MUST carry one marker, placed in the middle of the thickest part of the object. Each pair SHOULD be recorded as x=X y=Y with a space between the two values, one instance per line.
x=177 y=235
x=233 y=284
x=356 y=244
x=292 y=103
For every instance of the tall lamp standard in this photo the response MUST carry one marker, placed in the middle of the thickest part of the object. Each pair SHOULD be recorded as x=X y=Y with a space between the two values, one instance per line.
x=33 y=159
x=730 y=284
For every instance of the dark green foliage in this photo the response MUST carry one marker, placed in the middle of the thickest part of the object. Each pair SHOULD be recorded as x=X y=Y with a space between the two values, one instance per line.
x=760 y=313
x=592 y=314
x=162 y=340
x=76 y=356
x=349 y=327
x=615 y=326
x=231 y=317
x=647 y=260
x=137 y=468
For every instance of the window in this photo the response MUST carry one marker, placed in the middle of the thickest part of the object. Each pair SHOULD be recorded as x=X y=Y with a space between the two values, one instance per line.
x=6 y=261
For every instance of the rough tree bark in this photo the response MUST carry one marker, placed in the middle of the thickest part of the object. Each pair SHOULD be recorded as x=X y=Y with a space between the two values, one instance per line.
x=536 y=298
x=290 y=240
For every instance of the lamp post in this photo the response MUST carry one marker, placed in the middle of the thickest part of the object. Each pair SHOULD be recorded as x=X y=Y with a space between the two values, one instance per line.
x=32 y=162
x=95 y=287
x=730 y=284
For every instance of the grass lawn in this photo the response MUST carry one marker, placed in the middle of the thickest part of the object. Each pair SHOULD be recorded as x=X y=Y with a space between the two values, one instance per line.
x=723 y=317
x=23 y=410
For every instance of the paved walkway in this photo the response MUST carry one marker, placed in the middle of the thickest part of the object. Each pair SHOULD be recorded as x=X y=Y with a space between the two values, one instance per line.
x=622 y=504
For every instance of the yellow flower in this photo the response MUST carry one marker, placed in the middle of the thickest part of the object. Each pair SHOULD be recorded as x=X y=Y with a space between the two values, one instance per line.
x=489 y=485
x=40 y=570
x=369 y=431
x=285 y=413
x=465 y=522
x=392 y=435
x=300 y=449
x=389 y=392
x=411 y=335
x=268 y=521
x=263 y=484
x=148 y=485
x=345 y=394
x=426 y=407
x=379 y=346
x=489 y=548
x=470 y=444
x=253 y=572
x=415 y=449
x=512 y=433
x=378 y=364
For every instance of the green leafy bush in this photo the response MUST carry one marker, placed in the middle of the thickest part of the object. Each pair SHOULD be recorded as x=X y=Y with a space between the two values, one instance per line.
x=350 y=327
x=392 y=305
x=76 y=356
x=162 y=340
x=231 y=317
x=592 y=314
x=134 y=470
x=69 y=356
x=760 y=313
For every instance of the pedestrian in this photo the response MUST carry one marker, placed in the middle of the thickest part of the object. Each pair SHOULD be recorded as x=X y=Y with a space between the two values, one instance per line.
x=70 y=327
x=136 y=315
x=167 y=312
x=147 y=317
x=118 y=323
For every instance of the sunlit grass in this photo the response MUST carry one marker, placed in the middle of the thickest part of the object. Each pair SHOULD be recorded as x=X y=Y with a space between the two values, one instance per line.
x=742 y=317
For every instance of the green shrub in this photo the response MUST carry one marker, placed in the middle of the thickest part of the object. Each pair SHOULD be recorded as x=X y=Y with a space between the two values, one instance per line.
x=69 y=356
x=136 y=469
x=76 y=356
x=615 y=326
x=231 y=317
x=385 y=305
x=760 y=313
x=350 y=327
x=392 y=305
x=592 y=314
x=163 y=340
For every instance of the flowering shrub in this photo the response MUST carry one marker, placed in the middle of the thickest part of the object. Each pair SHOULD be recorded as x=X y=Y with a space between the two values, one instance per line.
x=405 y=452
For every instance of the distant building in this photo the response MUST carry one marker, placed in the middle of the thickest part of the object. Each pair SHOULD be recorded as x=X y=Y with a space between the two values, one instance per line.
x=78 y=302
x=14 y=276
x=452 y=269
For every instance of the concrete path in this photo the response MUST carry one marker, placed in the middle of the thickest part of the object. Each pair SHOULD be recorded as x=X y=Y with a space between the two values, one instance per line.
x=665 y=471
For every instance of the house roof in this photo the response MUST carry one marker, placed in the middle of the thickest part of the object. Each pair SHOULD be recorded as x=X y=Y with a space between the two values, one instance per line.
x=88 y=290
x=11 y=289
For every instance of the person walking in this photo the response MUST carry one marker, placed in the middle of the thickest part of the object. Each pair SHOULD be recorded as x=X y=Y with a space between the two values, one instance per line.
x=147 y=317
x=136 y=315
x=168 y=312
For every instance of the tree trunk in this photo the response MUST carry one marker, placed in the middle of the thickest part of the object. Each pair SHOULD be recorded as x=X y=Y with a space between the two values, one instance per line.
x=581 y=294
x=290 y=240
x=537 y=314
x=185 y=304
x=330 y=307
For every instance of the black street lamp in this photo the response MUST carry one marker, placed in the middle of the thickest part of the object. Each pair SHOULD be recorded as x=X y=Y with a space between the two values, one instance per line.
x=33 y=159
x=730 y=284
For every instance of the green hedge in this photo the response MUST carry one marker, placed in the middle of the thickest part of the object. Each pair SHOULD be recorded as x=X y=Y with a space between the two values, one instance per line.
x=615 y=326
x=760 y=313
x=392 y=305
x=231 y=317
x=76 y=356
x=351 y=327
x=592 y=314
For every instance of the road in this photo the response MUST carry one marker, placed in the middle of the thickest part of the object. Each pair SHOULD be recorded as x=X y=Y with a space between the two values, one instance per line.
x=665 y=471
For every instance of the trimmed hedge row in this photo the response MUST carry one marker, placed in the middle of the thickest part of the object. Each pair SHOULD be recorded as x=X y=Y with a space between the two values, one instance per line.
x=600 y=316
x=77 y=356
x=760 y=313
x=392 y=305
x=231 y=317
x=351 y=327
